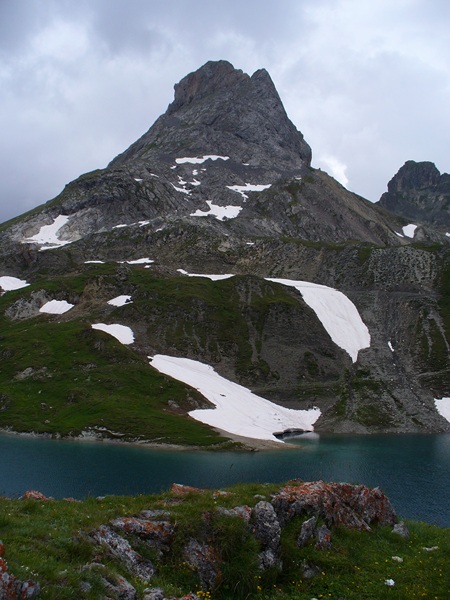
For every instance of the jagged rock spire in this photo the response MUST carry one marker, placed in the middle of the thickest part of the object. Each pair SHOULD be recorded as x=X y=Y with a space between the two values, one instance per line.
x=221 y=110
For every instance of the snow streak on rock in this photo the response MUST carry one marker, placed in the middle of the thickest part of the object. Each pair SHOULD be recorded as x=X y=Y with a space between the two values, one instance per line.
x=122 y=333
x=47 y=234
x=337 y=313
x=220 y=212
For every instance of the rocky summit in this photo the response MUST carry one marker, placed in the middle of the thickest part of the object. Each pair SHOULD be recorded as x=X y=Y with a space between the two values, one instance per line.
x=214 y=247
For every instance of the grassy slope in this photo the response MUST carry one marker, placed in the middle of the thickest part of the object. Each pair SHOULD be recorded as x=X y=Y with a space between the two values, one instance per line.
x=43 y=542
x=84 y=378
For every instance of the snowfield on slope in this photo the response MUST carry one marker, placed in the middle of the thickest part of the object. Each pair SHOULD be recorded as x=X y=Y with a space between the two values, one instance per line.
x=56 y=307
x=47 y=234
x=220 y=212
x=8 y=284
x=337 y=313
x=122 y=333
x=443 y=407
x=238 y=410
x=120 y=301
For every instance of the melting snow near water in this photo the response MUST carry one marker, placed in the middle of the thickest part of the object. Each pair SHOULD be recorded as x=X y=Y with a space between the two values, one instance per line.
x=122 y=333
x=443 y=407
x=56 y=307
x=238 y=410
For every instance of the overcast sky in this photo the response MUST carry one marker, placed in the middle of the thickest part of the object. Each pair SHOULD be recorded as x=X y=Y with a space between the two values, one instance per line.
x=366 y=81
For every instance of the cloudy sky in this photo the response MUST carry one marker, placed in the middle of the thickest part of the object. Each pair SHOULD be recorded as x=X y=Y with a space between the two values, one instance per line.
x=367 y=82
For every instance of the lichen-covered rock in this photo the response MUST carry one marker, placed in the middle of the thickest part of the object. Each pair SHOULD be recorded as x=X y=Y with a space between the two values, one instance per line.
x=157 y=531
x=266 y=527
x=12 y=588
x=323 y=535
x=35 y=495
x=354 y=506
x=307 y=532
x=401 y=530
x=242 y=512
x=120 y=587
x=154 y=594
x=205 y=559
x=120 y=548
x=178 y=489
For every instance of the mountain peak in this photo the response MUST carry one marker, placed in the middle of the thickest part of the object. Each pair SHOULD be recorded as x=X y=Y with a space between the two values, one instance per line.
x=221 y=110
x=212 y=77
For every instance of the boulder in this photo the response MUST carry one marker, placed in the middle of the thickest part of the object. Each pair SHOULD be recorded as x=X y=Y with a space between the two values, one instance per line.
x=205 y=559
x=353 y=506
x=120 y=548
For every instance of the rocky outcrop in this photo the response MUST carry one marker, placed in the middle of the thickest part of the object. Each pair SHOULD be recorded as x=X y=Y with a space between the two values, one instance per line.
x=337 y=504
x=12 y=588
x=421 y=194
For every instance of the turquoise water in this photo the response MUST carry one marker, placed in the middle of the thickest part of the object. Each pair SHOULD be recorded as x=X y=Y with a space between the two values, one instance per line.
x=413 y=470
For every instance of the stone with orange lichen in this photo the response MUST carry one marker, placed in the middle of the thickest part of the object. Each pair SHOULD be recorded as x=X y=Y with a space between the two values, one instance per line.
x=35 y=495
x=180 y=490
x=355 y=506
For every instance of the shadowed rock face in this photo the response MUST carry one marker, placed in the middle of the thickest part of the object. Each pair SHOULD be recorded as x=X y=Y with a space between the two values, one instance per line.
x=421 y=193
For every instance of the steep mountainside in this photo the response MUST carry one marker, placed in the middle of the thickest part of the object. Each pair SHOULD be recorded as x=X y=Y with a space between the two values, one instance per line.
x=419 y=193
x=221 y=184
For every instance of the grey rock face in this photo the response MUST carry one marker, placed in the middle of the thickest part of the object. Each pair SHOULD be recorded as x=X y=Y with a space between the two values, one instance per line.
x=205 y=559
x=121 y=549
x=418 y=192
x=221 y=110
x=307 y=531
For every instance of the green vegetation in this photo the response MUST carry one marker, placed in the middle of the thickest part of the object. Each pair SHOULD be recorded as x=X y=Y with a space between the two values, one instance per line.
x=48 y=542
x=59 y=376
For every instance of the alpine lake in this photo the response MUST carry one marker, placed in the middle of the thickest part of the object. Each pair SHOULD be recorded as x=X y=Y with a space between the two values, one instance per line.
x=412 y=469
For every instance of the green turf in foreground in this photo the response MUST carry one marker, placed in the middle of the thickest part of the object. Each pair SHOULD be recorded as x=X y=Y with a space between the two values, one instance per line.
x=44 y=541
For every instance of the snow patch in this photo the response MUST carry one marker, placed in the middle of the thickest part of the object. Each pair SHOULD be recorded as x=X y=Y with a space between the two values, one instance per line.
x=47 y=234
x=120 y=301
x=443 y=407
x=181 y=189
x=94 y=262
x=8 y=283
x=337 y=313
x=409 y=230
x=122 y=333
x=238 y=410
x=138 y=261
x=220 y=212
x=212 y=277
x=391 y=348
x=248 y=187
x=447 y=234
x=121 y=225
x=56 y=307
x=194 y=160
x=138 y=179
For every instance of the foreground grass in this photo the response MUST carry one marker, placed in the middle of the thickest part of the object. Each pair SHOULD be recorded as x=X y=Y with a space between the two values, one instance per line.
x=46 y=541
